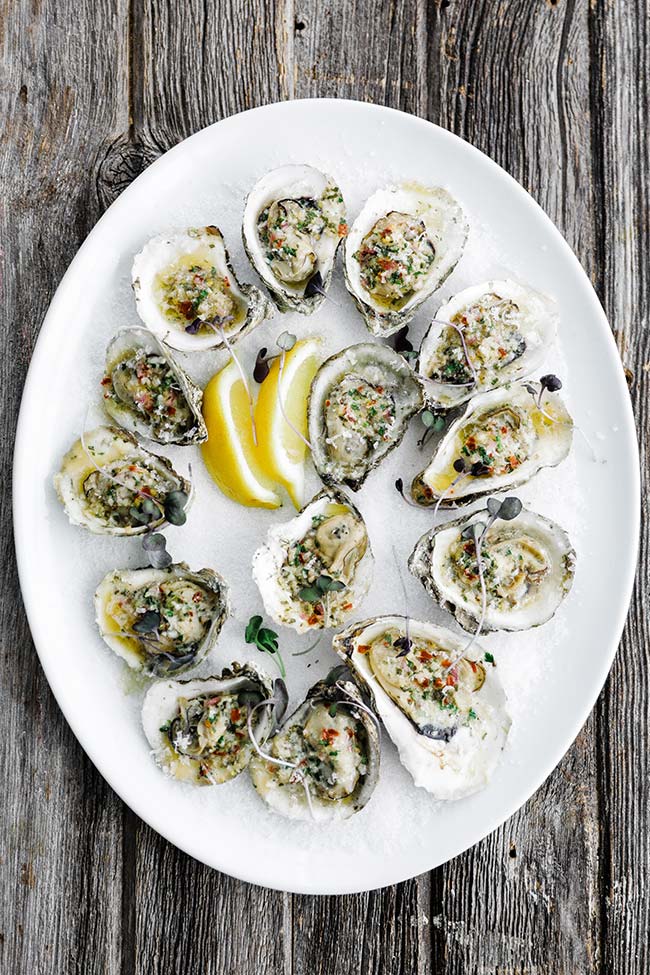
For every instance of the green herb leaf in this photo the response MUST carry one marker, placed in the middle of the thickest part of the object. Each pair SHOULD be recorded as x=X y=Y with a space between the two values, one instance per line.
x=252 y=629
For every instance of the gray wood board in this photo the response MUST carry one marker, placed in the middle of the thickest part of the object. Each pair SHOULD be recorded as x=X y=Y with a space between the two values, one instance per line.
x=557 y=93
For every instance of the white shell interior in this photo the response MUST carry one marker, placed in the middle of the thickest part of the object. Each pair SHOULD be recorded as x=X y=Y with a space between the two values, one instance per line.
x=155 y=256
x=464 y=764
x=537 y=320
x=285 y=182
x=553 y=541
x=551 y=446
x=270 y=557
x=443 y=218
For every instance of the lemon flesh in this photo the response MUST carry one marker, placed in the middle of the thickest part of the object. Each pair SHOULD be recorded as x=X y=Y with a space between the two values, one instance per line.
x=281 y=452
x=229 y=453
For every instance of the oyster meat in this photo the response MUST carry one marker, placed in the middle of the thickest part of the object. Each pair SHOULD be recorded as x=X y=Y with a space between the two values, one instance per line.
x=315 y=570
x=360 y=403
x=445 y=712
x=498 y=331
x=162 y=621
x=187 y=294
x=111 y=485
x=503 y=438
x=294 y=221
x=198 y=729
x=323 y=762
x=528 y=567
x=400 y=249
x=148 y=393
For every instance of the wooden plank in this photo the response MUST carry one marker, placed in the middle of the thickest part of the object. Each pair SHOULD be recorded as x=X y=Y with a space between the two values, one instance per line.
x=371 y=52
x=194 y=63
x=620 y=87
x=191 y=918
x=63 y=101
x=513 y=79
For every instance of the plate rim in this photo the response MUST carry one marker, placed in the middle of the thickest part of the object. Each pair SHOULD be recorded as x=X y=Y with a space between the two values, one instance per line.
x=20 y=514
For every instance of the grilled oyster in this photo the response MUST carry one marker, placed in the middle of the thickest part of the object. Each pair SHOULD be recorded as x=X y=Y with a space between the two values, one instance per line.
x=503 y=439
x=161 y=621
x=183 y=280
x=111 y=485
x=294 y=221
x=503 y=327
x=446 y=713
x=323 y=762
x=359 y=406
x=528 y=567
x=403 y=245
x=198 y=729
x=314 y=570
x=148 y=393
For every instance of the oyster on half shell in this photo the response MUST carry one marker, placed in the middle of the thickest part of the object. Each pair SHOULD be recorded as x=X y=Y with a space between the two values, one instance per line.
x=147 y=392
x=505 y=436
x=446 y=713
x=183 y=280
x=506 y=330
x=400 y=249
x=198 y=729
x=528 y=568
x=323 y=762
x=360 y=403
x=294 y=221
x=326 y=545
x=107 y=483
x=162 y=621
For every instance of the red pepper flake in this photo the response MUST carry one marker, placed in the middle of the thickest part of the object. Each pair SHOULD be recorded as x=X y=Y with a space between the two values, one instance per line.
x=502 y=353
x=363 y=648
x=451 y=680
x=197 y=597
x=424 y=683
x=424 y=656
x=438 y=682
x=472 y=664
x=504 y=429
x=106 y=381
x=342 y=228
x=235 y=715
x=328 y=735
x=446 y=663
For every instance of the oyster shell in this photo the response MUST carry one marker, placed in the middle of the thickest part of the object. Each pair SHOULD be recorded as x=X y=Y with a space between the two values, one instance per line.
x=107 y=481
x=161 y=621
x=198 y=730
x=294 y=221
x=505 y=435
x=312 y=779
x=507 y=330
x=529 y=564
x=328 y=540
x=184 y=279
x=400 y=249
x=450 y=724
x=148 y=393
x=360 y=403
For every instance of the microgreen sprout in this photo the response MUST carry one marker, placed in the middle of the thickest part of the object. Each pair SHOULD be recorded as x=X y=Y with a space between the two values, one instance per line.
x=403 y=345
x=154 y=544
x=312 y=646
x=505 y=510
x=299 y=774
x=399 y=487
x=148 y=622
x=470 y=364
x=433 y=423
x=285 y=342
x=262 y=366
x=265 y=640
x=324 y=584
x=315 y=286
x=403 y=643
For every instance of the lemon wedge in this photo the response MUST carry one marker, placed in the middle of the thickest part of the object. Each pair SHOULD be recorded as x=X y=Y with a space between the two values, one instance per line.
x=229 y=453
x=281 y=451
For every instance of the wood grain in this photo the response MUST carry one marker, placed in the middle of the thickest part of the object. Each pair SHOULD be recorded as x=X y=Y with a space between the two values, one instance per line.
x=557 y=92
x=62 y=99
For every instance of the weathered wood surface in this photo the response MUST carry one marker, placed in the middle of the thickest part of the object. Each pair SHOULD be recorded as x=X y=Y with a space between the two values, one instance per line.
x=557 y=92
